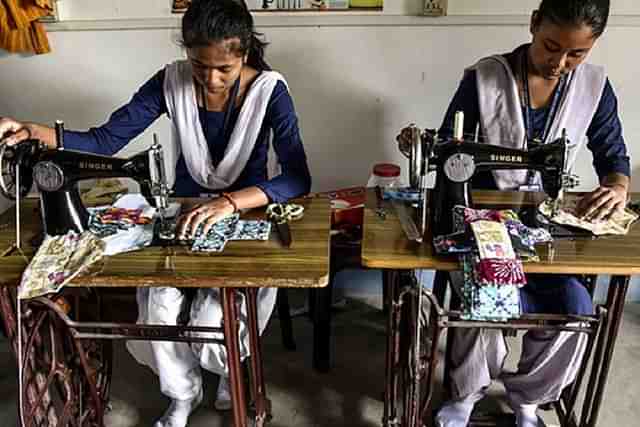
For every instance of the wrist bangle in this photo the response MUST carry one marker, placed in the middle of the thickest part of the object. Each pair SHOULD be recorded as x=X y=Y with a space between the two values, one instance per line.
x=231 y=200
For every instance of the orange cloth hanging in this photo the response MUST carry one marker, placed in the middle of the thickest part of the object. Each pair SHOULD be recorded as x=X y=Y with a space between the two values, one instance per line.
x=20 y=30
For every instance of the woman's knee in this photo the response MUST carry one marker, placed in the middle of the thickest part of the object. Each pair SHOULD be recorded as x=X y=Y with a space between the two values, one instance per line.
x=578 y=300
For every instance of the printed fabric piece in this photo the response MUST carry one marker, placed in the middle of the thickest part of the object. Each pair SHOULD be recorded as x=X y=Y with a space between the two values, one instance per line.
x=454 y=243
x=404 y=194
x=501 y=272
x=618 y=224
x=492 y=240
x=107 y=221
x=124 y=227
x=58 y=260
x=230 y=228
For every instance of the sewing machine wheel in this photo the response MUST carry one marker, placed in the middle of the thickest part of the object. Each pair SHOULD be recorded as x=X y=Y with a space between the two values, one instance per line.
x=64 y=384
x=10 y=157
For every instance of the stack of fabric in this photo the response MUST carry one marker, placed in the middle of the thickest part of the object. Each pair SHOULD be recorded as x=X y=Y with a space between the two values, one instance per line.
x=20 y=30
x=491 y=246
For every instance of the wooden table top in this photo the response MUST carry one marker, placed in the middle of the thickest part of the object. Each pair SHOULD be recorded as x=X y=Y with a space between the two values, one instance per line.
x=241 y=264
x=385 y=245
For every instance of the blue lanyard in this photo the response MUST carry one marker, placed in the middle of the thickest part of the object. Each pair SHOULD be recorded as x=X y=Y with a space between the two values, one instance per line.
x=553 y=109
x=227 y=111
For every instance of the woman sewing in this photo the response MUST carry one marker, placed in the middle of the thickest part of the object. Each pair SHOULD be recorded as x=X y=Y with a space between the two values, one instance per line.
x=533 y=93
x=224 y=103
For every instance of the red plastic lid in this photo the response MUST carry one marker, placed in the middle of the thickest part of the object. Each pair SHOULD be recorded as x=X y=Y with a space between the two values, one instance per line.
x=386 y=170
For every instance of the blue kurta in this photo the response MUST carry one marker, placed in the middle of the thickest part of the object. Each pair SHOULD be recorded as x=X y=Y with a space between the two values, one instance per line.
x=547 y=293
x=149 y=103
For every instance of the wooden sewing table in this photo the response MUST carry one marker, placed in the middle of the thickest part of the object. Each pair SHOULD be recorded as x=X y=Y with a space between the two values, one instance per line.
x=64 y=355
x=385 y=247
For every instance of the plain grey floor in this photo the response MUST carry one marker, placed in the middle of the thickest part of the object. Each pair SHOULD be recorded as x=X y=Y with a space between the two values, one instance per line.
x=350 y=395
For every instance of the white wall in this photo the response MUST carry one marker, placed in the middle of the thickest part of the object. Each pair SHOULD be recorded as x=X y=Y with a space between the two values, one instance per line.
x=354 y=86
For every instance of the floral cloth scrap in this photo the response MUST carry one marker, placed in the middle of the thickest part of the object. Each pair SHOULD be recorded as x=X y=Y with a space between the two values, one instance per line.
x=59 y=260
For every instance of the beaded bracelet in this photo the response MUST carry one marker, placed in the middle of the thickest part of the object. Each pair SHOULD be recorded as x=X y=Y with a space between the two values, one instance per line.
x=232 y=201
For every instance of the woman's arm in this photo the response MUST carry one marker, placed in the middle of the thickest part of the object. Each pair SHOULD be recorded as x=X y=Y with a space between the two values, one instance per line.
x=295 y=178
x=124 y=124
x=610 y=160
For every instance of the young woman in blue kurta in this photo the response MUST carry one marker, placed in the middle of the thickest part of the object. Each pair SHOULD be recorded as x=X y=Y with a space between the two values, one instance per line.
x=149 y=103
x=543 y=293
x=225 y=68
x=534 y=74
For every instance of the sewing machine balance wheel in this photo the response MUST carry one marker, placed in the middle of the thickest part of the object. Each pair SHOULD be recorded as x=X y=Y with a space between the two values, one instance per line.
x=10 y=158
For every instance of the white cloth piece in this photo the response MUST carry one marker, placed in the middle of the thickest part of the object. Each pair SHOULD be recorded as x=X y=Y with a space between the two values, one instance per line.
x=549 y=362
x=135 y=237
x=189 y=138
x=501 y=111
x=177 y=363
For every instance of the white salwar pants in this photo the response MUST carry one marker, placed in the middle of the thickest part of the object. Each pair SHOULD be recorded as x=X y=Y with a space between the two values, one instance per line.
x=178 y=364
x=550 y=361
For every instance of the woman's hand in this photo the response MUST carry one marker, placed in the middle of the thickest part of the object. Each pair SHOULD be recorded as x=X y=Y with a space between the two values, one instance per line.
x=13 y=131
x=207 y=214
x=602 y=202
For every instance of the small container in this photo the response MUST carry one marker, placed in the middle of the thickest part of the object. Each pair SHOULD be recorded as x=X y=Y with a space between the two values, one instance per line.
x=385 y=175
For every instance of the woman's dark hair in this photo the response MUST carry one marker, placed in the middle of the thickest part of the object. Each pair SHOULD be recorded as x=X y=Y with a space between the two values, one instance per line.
x=594 y=13
x=213 y=21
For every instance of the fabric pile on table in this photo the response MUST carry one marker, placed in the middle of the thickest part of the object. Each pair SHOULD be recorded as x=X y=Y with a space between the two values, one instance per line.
x=126 y=226
x=618 y=224
x=123 y=227
x=490 y=245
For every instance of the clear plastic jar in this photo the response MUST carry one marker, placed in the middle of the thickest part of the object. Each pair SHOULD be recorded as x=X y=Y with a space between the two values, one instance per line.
x=385 y=175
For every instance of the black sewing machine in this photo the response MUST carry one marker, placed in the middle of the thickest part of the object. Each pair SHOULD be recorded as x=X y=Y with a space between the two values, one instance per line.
x=56 y=173
x=456 y=161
